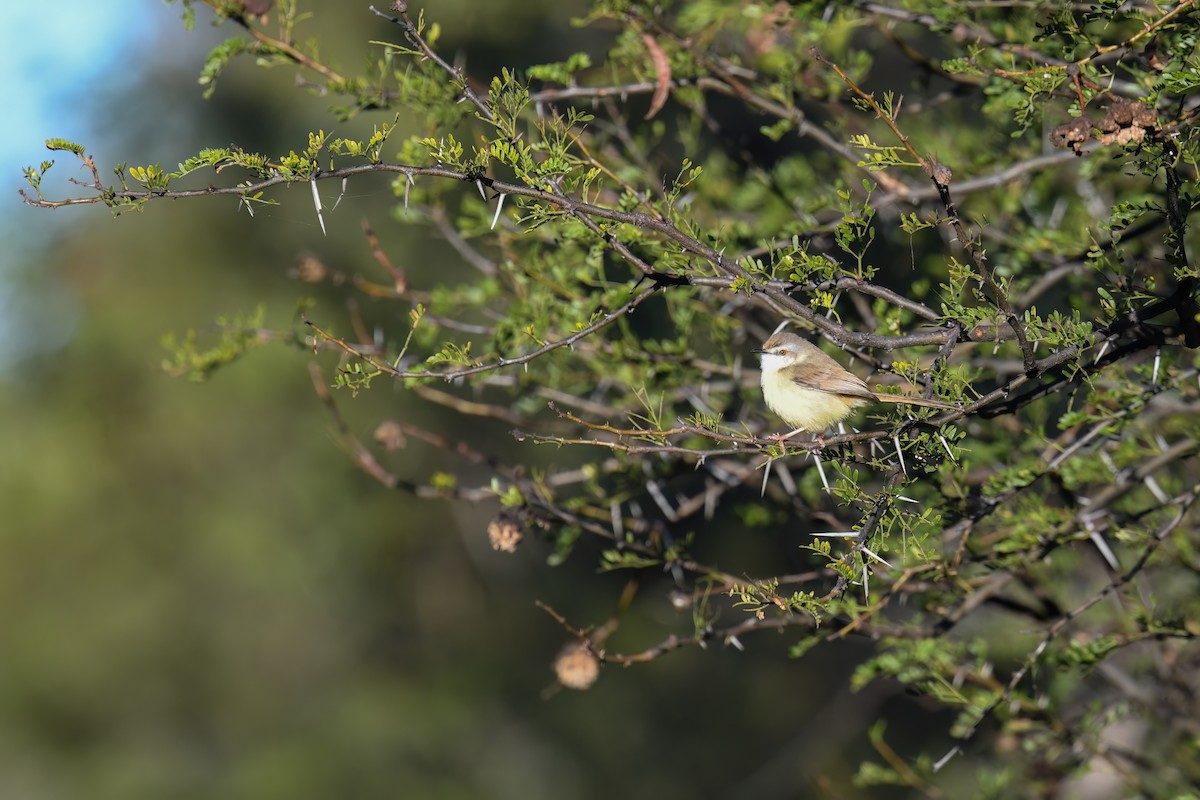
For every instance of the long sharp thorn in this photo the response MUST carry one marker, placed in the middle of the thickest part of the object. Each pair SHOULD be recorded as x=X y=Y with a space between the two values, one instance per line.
x=499 y=205
x=317 y=205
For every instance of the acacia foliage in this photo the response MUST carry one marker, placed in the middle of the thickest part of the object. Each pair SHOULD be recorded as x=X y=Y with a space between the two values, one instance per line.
x=984 y=203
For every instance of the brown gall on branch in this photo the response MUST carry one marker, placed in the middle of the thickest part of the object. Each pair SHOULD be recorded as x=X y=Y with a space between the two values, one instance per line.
x=1125 y=122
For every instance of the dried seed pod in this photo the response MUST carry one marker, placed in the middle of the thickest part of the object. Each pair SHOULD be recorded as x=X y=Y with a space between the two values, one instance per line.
x=505 y=534
x=576 y=667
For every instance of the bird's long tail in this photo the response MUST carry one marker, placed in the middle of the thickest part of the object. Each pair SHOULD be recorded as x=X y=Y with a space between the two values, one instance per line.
x=917 y=401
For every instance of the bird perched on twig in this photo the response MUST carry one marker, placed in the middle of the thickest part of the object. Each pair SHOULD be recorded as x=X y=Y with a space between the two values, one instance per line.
x=811 y=391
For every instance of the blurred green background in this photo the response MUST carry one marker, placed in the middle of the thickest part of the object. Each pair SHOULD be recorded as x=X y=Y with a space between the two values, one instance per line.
x=201 y=597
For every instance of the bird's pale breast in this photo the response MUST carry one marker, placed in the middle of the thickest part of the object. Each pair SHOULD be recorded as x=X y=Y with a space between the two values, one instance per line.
x=800 y=407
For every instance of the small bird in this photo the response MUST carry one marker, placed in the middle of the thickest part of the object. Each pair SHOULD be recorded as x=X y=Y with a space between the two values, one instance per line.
x=812 y=392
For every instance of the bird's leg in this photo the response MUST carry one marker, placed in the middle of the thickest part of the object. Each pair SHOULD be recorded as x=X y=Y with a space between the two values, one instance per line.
x=782 y=437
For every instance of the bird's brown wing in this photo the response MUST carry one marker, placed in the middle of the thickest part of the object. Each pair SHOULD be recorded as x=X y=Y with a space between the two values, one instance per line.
x=832 y=378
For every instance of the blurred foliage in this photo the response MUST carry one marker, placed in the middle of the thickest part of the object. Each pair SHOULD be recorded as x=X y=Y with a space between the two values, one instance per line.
x=987 y=203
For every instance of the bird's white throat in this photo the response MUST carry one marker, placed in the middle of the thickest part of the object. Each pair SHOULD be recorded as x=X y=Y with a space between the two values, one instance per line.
x=773 y=362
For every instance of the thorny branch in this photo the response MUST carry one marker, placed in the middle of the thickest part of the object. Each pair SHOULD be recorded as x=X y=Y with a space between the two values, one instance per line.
x=941 y=177
x=687 y=469
x=1181 y=504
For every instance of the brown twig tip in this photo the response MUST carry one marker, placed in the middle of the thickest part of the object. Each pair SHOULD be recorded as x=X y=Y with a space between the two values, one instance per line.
x=400 y=6
x=941 y=174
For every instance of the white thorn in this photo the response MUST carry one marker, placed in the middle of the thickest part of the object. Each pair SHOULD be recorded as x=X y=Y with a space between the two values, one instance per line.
x=900 y=453
x=1157 y=361
x=342 y=194
x=482 y=193
x=829 y=313
x=1106 y=552
x=499 y=205
x=660 y=499
x=407 y=185
x=820 y=470
x=877 y=558
x=1156 y=490
x=1108 y=462
x=1110 y=557
x=317 y=205
x=944 y=760
x=946 y=445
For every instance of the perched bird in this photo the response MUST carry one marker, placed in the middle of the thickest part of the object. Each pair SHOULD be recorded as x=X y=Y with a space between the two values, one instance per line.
x=812 y=392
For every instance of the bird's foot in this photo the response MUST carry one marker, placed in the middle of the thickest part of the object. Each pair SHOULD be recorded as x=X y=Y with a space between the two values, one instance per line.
x=780 y=438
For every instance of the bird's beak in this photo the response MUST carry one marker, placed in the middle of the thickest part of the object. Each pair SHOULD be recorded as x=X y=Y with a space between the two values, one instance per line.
x=758 y=350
